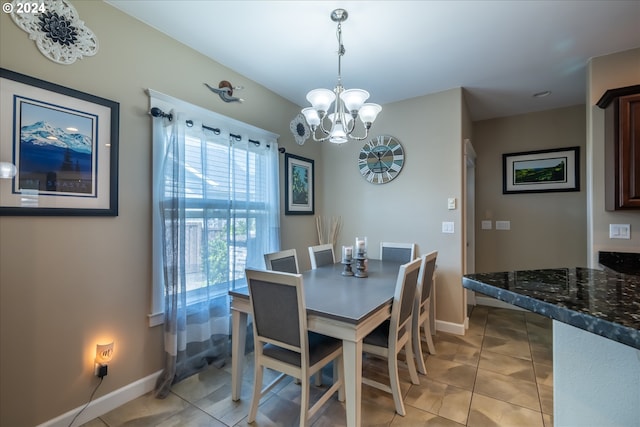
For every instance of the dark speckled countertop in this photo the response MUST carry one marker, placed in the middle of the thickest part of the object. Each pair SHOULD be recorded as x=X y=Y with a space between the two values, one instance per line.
x=620 y=262
x=603 y=302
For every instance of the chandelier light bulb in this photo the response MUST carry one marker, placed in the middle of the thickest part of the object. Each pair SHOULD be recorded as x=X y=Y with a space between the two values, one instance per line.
x=312 y=116
x=338 y=134
x=321 y=99
x=354 y=98
x=369 y=112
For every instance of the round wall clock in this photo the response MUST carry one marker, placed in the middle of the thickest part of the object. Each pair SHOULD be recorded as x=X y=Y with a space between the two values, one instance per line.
x=381 y=159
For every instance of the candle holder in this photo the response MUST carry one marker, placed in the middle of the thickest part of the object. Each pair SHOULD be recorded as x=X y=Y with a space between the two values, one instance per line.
x=360 y=248
x=347 y=267
x=361 y=266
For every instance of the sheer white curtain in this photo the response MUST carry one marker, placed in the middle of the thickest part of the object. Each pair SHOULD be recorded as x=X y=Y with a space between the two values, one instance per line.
x=216 y=211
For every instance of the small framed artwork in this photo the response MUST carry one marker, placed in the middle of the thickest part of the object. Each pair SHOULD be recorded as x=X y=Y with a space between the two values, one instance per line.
x=541 y=171
x=58 y=149
x=299 y=182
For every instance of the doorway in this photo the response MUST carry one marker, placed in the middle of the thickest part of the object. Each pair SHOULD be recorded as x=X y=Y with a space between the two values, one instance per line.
x=469 y=220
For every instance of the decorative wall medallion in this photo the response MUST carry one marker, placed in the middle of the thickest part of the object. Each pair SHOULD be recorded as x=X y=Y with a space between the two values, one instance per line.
x=299 y=129
x=57 y=30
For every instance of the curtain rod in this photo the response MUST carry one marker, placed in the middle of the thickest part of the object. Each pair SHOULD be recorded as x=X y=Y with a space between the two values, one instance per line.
x=156 y=112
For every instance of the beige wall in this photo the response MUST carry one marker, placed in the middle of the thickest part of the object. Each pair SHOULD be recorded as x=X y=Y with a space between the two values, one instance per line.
x=67 y=282
x=607 y=72
x=548 y=230
x=410 y=208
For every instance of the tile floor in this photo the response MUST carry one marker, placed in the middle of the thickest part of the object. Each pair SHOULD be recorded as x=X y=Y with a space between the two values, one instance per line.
x=498 y=374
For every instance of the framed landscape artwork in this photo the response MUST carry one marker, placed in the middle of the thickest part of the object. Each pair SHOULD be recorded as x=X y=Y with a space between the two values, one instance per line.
x=299 y=182
x=541 y=171
x=60 y=147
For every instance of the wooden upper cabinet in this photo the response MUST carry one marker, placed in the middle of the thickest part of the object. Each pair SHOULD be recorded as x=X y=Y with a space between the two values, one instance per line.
x=622 y=147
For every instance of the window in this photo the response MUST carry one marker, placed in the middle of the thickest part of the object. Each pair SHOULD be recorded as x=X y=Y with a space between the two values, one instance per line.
x=223 y=178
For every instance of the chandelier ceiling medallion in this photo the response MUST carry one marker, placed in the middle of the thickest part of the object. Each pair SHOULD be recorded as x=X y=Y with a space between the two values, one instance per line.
x=349 y=103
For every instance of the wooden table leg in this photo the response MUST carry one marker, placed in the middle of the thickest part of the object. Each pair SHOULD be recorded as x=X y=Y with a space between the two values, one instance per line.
x=352 y=352
x=238 y=337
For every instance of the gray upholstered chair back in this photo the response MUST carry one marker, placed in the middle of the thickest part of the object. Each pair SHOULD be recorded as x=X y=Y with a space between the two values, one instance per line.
x=324 y=257
x=422 y=310
x=425 y=283
x=275 y=310
x=404 y=298
x=285 y=261
x=400 y=252
x=320 y=255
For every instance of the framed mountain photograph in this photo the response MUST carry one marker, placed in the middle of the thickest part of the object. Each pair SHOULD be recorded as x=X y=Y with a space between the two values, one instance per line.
x=58 y=149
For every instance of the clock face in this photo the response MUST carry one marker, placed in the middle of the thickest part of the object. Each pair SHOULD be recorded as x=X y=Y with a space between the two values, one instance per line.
x=381 y=159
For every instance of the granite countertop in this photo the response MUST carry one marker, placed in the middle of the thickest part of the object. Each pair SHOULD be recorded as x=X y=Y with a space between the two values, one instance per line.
x=603 y=302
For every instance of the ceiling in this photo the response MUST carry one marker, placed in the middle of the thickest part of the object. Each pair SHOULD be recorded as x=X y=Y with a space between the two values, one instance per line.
x=500 y=52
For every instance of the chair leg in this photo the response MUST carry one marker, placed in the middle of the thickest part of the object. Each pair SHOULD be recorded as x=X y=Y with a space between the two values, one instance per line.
x=427 y=333
x=411 y=363
x=257 y=392
x=394 y=381
x=304 y=403
x=338 y=375
x=318 y=378
x=417 y=342
x=417 y=350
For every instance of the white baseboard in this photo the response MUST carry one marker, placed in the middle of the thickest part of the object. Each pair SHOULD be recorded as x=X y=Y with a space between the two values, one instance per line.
x=450 y=328
x=105 y=403
x=492 y=302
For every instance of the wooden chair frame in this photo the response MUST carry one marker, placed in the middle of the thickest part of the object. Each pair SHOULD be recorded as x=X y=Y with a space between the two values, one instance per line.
x=400 y=336
x=422 y=309
x=313 y=250
x=275 y=256
x=305 y=369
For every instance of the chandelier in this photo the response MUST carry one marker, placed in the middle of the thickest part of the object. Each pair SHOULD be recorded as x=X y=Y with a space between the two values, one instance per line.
x=349 y=103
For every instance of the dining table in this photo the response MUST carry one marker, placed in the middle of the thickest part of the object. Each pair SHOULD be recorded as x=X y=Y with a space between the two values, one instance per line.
x=340 y=306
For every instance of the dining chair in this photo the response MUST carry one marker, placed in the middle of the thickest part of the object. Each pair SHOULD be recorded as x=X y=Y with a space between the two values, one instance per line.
x=422 y=309
x=402 y=252
x=321 y=255
x=394 y=335
x=285 y=261
x=282 y=341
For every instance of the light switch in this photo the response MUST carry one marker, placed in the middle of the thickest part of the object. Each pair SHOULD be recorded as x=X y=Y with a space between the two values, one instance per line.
x=447 y=227
x=620 y=231
x=487 y=225
x=503 y=225
x=451 y=203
